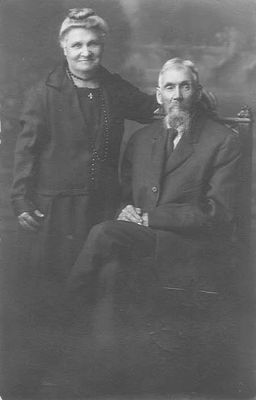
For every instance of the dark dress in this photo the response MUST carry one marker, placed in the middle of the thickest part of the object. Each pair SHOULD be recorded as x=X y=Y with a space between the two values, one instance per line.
x=56 y=170
x=66 y=164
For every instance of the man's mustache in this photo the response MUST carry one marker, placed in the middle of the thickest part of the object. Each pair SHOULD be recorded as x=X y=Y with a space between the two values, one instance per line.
x=177 y=105
x=178 y=111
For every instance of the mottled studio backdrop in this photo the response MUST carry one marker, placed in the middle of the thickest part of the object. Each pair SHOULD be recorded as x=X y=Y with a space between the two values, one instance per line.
x=219 y=35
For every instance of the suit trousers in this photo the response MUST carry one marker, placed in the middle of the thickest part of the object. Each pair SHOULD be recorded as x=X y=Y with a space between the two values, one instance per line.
x=109 y=247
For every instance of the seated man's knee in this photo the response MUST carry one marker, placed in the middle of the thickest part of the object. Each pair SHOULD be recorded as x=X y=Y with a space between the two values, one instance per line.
x=103 y=233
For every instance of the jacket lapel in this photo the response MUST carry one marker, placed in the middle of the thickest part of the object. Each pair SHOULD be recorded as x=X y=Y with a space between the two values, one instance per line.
x=74 y=106
x=180 y=154
x=69 y=101
x=158 y=151
x=185 y=147
x=59 y=80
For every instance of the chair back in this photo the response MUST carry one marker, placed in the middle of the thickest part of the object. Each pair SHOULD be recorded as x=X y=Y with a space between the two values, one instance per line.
x=242 y=125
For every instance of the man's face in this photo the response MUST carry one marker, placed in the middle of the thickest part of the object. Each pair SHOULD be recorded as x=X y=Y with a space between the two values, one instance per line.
x=83 y=49
x=177 y=91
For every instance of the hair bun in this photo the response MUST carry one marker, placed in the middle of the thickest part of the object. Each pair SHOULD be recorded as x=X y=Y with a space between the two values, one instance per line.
x=82 y=18
x=80 y=13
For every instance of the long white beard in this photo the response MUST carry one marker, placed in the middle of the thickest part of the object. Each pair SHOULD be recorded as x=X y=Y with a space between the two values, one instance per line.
x=178 y=119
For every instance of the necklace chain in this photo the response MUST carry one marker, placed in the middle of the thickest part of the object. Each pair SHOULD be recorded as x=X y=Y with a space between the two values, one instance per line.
x=76 y=76
x=97 y=156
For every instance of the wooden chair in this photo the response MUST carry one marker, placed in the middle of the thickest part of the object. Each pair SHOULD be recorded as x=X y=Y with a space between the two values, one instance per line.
x=242 y=125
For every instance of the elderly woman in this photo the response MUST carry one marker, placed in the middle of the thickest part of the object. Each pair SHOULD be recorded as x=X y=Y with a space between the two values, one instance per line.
x=66 y=159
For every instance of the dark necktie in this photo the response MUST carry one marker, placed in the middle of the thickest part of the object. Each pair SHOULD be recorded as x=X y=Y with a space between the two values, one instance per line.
x=171 y=135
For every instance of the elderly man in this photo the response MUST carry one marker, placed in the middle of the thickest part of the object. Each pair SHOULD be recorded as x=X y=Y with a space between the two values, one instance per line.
x=179 y=178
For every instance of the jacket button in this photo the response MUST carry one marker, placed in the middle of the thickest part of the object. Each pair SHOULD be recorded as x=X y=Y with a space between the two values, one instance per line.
x=154 y=189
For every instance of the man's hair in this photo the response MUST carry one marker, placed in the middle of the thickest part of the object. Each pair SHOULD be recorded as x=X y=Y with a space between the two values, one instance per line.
x=82 y=18
x=179 y=63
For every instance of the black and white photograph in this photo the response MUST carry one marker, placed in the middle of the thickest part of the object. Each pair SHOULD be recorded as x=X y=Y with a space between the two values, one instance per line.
x=128 y=199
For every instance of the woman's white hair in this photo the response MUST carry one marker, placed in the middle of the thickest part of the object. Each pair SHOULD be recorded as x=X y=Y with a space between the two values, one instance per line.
x=179 y=63
x=82 y=18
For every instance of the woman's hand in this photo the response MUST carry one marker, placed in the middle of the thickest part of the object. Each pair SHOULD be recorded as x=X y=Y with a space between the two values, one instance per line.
x=31 y=221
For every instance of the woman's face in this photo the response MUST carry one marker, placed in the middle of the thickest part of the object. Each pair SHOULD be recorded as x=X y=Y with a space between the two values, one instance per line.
x=83 y=49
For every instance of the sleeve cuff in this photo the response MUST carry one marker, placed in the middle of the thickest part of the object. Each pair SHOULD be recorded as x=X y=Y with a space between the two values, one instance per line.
x=21 y=205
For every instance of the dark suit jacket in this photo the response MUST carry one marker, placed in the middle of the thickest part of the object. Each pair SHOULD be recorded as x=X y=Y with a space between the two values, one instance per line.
x=190 y=199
